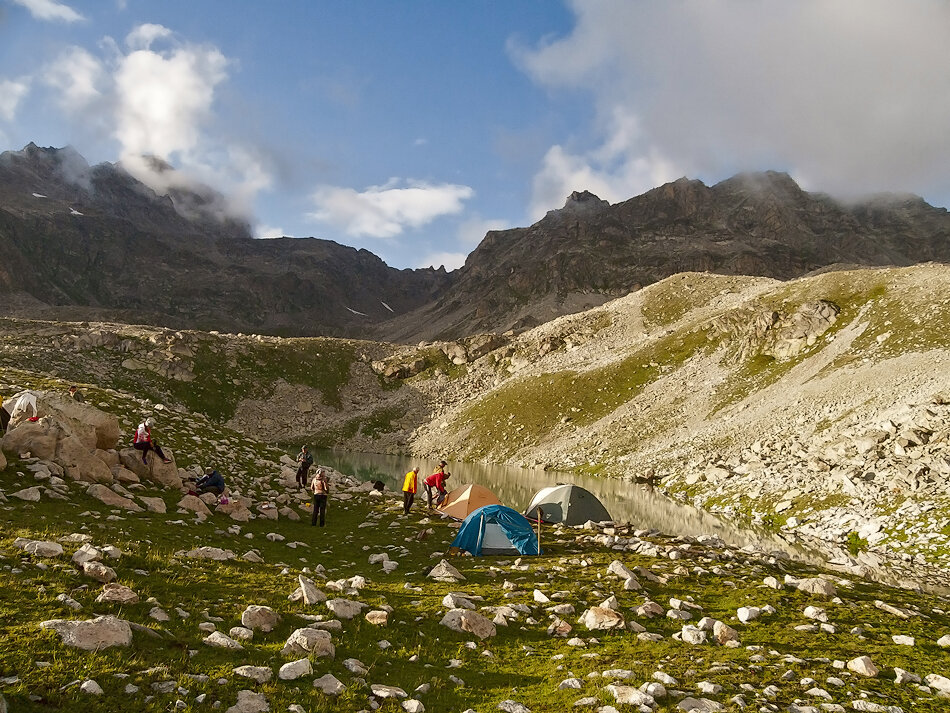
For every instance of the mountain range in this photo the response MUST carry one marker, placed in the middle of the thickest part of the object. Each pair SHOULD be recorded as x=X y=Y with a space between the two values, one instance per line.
x=83 y=242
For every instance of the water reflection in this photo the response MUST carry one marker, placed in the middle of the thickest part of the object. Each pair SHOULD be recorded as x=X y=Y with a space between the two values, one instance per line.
x=626 y=502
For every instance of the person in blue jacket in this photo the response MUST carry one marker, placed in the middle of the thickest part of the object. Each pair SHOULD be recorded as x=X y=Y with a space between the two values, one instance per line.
x=210 y=482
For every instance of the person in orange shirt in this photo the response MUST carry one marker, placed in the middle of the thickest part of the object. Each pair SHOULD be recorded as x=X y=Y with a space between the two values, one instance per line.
x=409 y=486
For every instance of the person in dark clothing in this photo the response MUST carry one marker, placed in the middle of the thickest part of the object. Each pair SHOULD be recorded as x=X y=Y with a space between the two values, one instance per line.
x=320 y=487
x=76 y=395
x=210 y=482
x=304 y=461
x=4 y=419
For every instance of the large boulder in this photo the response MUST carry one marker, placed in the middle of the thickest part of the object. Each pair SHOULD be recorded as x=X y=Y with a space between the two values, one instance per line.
x=38 y=438
x=465 y=621
x=102 y=632
x=80 y=462
x=165 y=474
x=111 y=498
x=309 y=642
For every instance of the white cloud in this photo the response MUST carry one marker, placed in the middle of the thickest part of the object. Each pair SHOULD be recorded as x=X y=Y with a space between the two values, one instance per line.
x=142 y=37
x=11 y=92
x=853 y=94
x=450 y=261
x=164 y=98
x=78 y=76
x=267 y=231
x=50 y=10
x=386 y=211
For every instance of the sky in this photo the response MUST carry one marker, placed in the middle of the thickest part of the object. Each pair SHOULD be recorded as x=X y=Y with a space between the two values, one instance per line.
x=412 y=128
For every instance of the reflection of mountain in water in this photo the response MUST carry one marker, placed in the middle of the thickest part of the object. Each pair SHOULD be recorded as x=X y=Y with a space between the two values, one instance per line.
x=515 y=487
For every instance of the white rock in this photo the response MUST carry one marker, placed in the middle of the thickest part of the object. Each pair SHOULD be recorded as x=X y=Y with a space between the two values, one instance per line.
x=311 y=595
x=249 y=702
x=413 y=706
x=295 y=669
x=381 y=691
x=628 y=695
x=39 y=548
x=902 y=640
x=91 y=687
x=309 y=642
x=118 y=594
x=329 y=684
x=601 y=619
x=220 y=641
x=344 y=608
x=445 y=572
x=260 y=617
x=939 y=683
x=463 y=620
x=377 y=617
x=93 y=634
x=260 y=674
x=864 y=666
x=747 y=614
x=510 y=706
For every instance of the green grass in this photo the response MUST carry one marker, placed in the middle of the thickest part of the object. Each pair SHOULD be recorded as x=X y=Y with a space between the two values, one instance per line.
x=528 y=410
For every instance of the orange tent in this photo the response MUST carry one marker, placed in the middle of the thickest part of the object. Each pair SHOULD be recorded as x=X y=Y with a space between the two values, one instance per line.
x=466 y=498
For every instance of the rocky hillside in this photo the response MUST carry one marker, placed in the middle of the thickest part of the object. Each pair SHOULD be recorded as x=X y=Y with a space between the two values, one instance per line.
x=81 y=242
x=590 y=251
x=122 y=591
x=816 y=408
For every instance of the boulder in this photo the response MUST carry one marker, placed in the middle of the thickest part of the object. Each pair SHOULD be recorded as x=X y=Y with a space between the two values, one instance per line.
x=863 y=666
x=445 y=572
x=39 y=438
x=465 y=621
x=259 y=674
x=309 y=642
x=153 y=504
x=102 y=632
x=194 y=504
x=260 y=617
x=30 y=495
x=39 y=548
x=79 y=461
x=295 y=669
x=117 y=594
x=816 y=585
x=98 y=571
x=249 y=702
x=111 y=498
x=208 y=553
x=602 y=619
x=329 y=684
x=220 y=641
x=345 y=608
x=311 y=595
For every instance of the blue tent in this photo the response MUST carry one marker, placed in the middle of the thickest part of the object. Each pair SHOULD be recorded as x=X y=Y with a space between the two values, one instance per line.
x=496 y=530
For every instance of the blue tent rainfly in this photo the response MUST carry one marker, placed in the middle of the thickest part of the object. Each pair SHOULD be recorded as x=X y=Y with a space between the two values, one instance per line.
x=496 y=530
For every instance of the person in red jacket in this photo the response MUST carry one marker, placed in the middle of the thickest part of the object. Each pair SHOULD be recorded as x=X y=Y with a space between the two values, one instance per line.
x=143 y=441
x=436 y=481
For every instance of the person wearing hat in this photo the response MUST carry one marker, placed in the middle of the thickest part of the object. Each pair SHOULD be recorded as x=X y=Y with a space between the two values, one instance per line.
x=210 y=482
x=143 y=441
x=436 y=482
x=304 y=461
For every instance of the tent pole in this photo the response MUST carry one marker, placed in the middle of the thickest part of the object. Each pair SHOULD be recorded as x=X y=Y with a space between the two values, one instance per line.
x=540 y=512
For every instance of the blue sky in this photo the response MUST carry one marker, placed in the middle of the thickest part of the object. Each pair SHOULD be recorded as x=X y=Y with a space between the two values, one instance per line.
x=411 y=128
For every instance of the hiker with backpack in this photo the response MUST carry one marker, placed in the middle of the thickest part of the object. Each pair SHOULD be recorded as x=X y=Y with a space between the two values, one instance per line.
x=143 y=441
x=304 y=461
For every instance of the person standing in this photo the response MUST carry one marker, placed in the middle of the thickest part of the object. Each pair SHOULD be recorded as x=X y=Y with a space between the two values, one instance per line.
x=304 y=461
x=320 y=487
x=409 y=486
x=144 y=442
x=436 y=482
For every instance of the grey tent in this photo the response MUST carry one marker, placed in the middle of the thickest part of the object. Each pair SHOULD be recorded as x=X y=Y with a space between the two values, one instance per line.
x=569 y=504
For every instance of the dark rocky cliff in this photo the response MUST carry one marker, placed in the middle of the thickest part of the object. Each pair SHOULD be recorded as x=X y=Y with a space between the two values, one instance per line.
x=752 y=224
x=81 y=242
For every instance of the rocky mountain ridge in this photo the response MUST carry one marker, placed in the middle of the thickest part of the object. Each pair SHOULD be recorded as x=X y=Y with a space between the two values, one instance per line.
x=80 y=242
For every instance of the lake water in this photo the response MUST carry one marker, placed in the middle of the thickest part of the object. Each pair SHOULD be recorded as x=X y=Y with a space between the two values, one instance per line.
x=625 y=501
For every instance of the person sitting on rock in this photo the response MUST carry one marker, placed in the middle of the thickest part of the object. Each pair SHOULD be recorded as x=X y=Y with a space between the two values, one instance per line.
x=76 y=395
x=210 y=482
x=144 y=442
